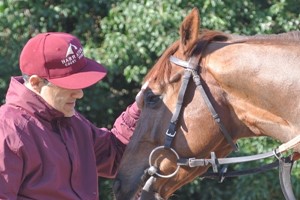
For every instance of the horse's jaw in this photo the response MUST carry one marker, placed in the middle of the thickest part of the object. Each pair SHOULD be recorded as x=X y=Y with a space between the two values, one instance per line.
x=145 y=195
x=121 y=194
x=143 y=191
x=138 y=195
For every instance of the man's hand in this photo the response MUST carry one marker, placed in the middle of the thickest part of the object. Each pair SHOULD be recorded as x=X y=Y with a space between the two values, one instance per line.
x=140 y=95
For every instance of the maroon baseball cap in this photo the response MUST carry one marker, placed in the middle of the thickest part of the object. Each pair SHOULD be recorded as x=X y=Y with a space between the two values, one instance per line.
x=58 y=57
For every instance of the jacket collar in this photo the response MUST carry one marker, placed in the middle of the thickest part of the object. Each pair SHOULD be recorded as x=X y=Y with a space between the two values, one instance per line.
x=19 y=95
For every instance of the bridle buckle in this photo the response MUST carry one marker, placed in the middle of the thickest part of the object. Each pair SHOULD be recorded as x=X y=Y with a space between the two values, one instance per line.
x=171 y=133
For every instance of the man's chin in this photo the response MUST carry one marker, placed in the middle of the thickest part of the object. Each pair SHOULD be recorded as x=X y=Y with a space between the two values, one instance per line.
x=69 y=114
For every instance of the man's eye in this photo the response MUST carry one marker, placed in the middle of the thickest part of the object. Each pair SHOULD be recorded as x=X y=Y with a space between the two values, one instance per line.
x=152 y=99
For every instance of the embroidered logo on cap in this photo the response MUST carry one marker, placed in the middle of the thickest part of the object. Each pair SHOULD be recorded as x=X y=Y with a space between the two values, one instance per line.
x=73 y=55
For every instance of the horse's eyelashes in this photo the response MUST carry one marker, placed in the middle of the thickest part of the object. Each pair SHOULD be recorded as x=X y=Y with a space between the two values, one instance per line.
x=152 y=99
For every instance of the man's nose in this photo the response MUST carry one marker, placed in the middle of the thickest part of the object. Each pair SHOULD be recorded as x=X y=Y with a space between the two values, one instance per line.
x=78 y=94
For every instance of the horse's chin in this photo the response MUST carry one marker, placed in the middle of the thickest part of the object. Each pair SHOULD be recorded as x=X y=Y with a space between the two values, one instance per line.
x=145 y=195
x=144 y=191
x=142 y=195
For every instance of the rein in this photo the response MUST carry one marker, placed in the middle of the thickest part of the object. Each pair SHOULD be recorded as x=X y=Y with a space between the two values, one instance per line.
x=284 y=164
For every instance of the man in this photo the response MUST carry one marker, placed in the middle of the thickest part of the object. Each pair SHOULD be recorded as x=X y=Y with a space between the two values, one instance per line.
x=47 y=149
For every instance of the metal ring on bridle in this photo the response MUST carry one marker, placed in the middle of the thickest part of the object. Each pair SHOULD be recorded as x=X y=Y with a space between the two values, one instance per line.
x=161 y=175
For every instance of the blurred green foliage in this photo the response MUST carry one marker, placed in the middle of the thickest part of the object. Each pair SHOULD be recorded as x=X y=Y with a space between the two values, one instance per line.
x=127 y=37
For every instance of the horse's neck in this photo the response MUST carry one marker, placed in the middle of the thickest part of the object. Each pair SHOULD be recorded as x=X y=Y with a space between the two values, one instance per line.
x=262 y=84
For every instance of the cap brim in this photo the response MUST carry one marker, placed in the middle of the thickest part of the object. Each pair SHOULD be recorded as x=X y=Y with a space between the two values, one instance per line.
x=89 y=75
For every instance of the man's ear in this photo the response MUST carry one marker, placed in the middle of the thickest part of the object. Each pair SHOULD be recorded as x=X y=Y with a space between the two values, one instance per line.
x=35 y=83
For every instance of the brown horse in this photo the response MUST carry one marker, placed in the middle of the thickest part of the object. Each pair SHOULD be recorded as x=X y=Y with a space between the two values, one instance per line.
x=253 y=83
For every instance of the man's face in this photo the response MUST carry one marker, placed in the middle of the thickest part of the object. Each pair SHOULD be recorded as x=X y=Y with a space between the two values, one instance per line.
x=63 y=100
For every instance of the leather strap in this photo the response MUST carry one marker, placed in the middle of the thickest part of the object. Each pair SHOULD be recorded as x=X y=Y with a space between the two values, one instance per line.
x=171 y=132
x=193 y=162
x=285 y=167
x=191 y=68
x=229 y=174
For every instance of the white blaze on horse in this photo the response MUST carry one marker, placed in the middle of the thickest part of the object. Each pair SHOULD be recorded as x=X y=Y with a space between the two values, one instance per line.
x=249 y=86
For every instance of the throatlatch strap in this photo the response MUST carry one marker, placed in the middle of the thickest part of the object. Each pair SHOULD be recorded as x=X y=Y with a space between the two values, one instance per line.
x=215 y=115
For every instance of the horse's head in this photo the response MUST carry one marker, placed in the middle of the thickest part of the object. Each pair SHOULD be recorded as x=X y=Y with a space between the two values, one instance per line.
x=197 y=133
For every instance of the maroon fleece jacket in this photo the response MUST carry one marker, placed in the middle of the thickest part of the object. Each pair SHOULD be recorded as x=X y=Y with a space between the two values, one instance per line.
x=44 y=155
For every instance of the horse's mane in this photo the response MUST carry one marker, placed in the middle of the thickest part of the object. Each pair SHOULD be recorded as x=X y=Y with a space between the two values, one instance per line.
x=289 y=37
x=160 y=72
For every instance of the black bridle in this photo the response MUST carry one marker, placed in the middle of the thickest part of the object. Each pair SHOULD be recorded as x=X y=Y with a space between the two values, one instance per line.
x=191 y=69
x=284 y=163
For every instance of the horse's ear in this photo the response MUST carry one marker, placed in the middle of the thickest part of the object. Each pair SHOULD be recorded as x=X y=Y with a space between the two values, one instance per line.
x=189 y=30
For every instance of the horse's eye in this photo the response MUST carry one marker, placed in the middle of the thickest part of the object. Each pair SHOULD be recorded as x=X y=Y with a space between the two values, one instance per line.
x=152 y=99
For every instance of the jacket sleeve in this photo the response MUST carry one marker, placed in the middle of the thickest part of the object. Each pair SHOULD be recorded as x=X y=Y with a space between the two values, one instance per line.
x=110 y=144
x=125 y=124
x=11 y=164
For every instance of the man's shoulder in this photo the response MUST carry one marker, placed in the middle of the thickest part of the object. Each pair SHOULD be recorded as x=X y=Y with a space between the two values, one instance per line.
x=10 y=113
x=11 y=124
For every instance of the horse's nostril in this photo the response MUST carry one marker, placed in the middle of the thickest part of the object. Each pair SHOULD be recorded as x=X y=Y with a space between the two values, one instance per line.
x=117 y=185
